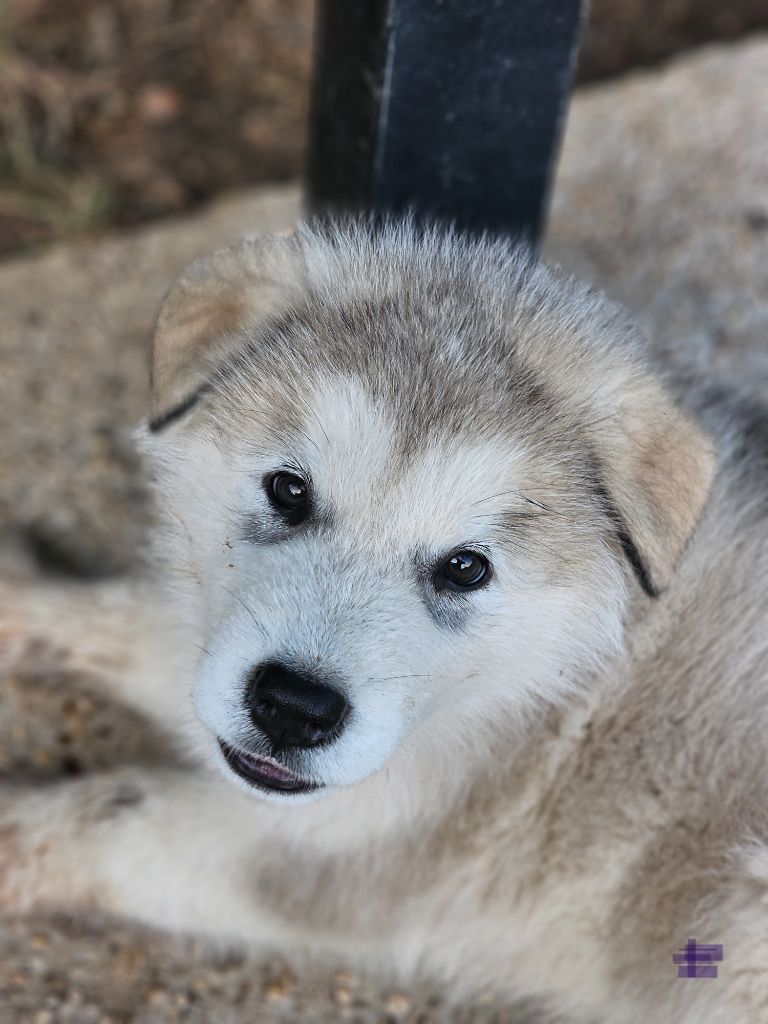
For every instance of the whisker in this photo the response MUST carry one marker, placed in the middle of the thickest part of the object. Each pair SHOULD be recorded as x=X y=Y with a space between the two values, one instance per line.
x=493 y=517
x=277 y=746
x=541 y=504
x=313 y=413
x=557 y=554
x=309 y=440
x=533 y=501
x=390 y=679
x=250 y=611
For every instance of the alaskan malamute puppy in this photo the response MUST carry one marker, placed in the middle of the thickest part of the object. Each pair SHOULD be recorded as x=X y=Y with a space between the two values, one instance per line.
x=472 y=617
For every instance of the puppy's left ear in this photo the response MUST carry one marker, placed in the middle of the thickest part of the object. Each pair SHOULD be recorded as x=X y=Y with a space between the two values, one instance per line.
x=656 y=468
x=202 y=319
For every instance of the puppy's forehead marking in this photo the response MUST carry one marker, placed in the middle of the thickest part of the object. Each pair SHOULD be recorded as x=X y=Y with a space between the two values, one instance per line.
x=427 y=493
x=448 y=484
x=351 y=437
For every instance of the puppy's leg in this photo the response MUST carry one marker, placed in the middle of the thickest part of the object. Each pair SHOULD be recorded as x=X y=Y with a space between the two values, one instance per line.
x=168 y=848
x=745 y=942
x=735 y=917
x=115 y=636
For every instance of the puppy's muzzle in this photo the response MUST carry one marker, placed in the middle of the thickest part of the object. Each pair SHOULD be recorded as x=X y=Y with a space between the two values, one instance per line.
x=293 y=709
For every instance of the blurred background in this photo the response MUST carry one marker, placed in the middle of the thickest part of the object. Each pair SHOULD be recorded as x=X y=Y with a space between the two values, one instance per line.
x=113 y=113
x=136 y=135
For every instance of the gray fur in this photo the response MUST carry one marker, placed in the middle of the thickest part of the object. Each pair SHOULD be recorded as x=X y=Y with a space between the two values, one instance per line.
x=546 y=786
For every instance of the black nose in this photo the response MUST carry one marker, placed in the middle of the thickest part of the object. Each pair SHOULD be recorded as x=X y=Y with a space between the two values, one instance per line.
x=293 y=709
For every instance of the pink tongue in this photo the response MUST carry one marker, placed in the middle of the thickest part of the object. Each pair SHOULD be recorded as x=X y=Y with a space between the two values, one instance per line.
x=272 y=770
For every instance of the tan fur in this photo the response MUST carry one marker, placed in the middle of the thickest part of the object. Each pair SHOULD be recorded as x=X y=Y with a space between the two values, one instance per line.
x=205 y=309
x=557 y=843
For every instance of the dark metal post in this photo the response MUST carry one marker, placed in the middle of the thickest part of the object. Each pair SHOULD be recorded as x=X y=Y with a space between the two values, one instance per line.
x=450 y=108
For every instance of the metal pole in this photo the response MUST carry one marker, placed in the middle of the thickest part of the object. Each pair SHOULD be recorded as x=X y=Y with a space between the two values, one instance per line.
x=450 y=108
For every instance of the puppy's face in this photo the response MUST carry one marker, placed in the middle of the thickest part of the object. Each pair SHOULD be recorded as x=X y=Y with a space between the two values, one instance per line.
x=404 y=510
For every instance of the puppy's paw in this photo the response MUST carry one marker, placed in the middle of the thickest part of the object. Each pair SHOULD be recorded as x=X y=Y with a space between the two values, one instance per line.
x=13 y=851
x=33 y=845
x=55 y=838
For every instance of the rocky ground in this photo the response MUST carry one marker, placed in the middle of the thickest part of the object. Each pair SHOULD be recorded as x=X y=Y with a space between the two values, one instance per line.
x=662 y=199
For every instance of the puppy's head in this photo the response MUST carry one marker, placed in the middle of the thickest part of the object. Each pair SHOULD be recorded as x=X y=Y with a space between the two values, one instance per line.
x=410 y=480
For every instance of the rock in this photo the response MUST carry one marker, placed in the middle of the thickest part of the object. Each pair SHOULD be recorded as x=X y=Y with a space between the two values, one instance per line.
x=662 y=199
x=622 y=34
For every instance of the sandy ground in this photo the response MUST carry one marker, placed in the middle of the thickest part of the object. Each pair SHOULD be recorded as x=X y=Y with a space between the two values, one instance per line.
x=662 y=199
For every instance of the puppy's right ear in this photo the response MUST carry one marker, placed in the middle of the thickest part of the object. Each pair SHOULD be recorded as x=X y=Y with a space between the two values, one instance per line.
x=203 y=316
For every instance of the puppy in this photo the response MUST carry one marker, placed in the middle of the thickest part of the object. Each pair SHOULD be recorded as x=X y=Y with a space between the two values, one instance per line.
x=471 y=616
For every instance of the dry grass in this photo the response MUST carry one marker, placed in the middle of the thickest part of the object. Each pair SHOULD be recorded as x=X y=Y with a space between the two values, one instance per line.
x=123 y=110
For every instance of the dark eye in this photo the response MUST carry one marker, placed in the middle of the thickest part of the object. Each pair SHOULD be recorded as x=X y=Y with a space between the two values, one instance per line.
x=290 y=494
x=464 y=570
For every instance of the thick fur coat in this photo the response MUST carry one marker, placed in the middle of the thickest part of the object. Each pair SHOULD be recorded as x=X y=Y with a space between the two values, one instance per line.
x=545 y=783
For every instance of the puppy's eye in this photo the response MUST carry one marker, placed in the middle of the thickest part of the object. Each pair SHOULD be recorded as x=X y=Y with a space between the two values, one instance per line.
x=290 y=494
x=464 y=570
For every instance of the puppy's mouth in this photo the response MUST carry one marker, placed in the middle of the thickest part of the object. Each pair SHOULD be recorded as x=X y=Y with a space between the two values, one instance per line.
x=264 y=772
